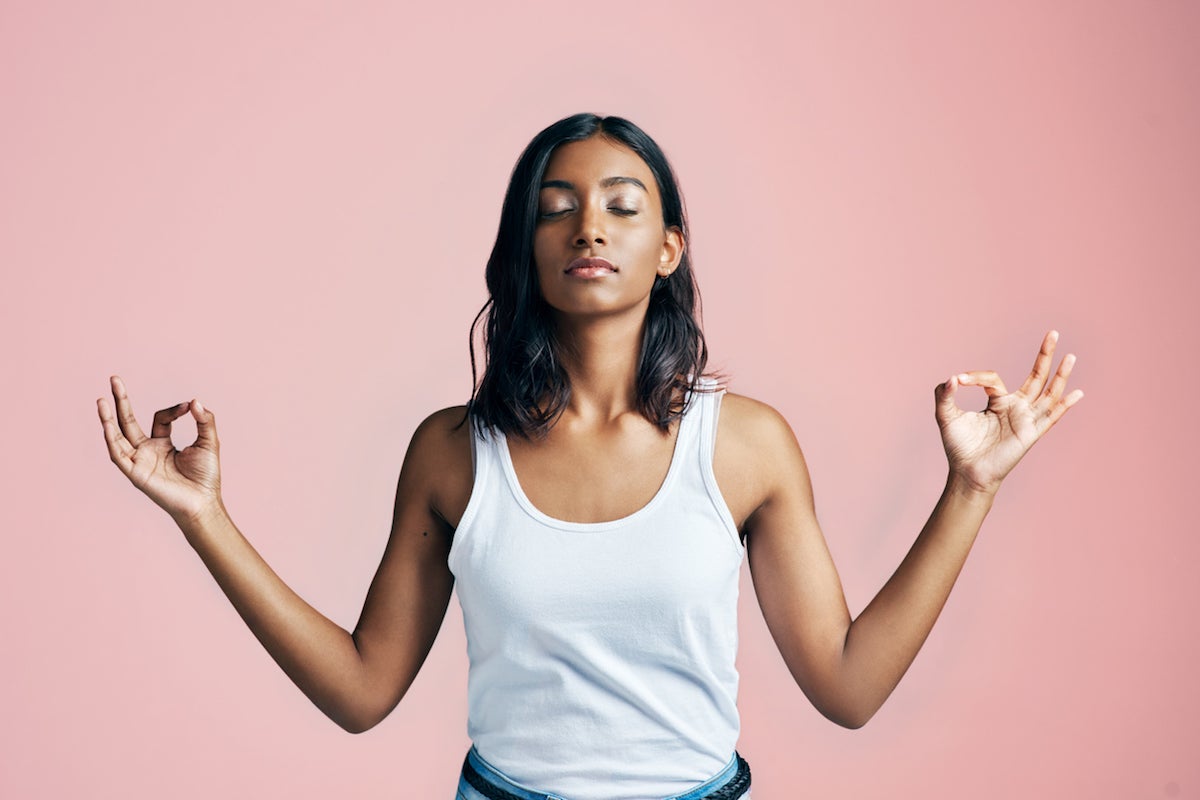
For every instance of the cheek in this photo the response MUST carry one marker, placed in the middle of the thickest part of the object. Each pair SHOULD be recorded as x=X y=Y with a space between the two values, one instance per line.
x=542 y=252
x=649 y=243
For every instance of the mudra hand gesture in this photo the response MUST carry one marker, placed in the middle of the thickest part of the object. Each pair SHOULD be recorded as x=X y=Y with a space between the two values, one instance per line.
x=983 y=446
x=185 y=483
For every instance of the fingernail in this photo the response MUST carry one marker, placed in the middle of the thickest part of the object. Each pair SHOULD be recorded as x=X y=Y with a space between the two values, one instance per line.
x=199 y=408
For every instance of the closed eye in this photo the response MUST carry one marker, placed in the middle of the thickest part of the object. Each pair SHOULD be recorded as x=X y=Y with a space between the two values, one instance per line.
x=625 y=212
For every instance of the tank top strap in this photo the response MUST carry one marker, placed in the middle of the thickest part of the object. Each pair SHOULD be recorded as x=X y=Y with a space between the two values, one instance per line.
x=710 y=409
x=485 y=465
x=479 y=445
x=689 y=438
x=710 y=405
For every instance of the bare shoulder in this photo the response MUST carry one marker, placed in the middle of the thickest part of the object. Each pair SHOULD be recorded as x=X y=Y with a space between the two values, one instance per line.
x=756 y=454
x=439 y=460
x=747 y=418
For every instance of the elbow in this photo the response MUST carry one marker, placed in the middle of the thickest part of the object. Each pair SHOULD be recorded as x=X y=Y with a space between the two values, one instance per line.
x=853 y=721
x=352 y=715
x=848 y=714
x=357 y=723
x=350 y=725
x=846 y=703
x=365 y=715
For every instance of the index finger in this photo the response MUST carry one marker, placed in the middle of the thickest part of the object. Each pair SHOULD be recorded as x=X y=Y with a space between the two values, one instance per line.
x=1036 y=381
x=129 y=426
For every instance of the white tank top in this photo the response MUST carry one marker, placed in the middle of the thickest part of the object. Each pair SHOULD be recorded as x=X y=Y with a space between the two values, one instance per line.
x=602 y=654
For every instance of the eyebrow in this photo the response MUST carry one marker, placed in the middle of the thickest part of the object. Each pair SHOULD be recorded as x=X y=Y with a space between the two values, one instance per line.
x=607 y=182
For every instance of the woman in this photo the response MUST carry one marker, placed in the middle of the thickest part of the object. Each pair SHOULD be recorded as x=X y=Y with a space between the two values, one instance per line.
x=594 y=512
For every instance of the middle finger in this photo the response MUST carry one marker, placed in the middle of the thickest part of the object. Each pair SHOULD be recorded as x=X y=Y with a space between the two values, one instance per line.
x=1055 y=389
x=1041 y=367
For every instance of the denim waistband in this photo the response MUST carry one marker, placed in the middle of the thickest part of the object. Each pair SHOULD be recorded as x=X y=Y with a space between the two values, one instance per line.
x=729 y=784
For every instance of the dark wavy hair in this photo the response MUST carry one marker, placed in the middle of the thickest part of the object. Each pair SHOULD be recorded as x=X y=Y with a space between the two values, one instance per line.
x=523 y=358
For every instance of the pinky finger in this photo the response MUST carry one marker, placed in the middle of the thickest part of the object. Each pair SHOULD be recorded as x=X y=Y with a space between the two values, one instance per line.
x=1054 y=389
x=1061 y=407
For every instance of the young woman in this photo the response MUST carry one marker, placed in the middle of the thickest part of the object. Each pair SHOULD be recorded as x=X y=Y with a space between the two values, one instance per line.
x=595 y=511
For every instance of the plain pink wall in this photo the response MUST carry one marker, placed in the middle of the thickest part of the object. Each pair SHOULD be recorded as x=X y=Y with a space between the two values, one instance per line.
x=284 y=209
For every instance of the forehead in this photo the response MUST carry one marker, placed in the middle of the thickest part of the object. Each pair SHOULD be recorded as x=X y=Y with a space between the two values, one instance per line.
x=585 y=163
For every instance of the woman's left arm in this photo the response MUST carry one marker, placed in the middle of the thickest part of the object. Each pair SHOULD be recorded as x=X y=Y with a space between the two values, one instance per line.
x=849 y=668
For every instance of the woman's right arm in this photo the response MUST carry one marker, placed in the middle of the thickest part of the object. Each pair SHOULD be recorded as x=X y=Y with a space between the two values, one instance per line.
x=354 y=678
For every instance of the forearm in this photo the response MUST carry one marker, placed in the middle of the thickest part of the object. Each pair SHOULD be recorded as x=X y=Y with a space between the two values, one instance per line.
x=319 y=656
x=883 y=641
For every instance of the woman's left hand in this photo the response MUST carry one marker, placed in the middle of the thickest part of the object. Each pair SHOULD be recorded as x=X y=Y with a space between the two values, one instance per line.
x=983 y=446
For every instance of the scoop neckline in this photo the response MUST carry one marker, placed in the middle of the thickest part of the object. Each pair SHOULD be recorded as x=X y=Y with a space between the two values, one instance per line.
x=518 y=491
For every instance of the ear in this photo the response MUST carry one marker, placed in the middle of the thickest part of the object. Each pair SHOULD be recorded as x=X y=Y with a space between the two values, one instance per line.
x=672 y=251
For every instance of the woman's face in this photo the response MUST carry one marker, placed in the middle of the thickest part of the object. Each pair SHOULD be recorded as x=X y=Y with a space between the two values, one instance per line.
x=599 y=200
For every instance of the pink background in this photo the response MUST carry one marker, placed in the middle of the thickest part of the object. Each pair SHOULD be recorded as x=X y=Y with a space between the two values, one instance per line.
x=285 y=211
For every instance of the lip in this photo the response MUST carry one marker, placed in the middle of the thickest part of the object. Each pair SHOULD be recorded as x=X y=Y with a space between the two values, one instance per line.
x=591 y=264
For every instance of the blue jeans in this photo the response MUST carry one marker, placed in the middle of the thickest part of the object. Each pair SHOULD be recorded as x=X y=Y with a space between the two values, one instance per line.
x=496 y=779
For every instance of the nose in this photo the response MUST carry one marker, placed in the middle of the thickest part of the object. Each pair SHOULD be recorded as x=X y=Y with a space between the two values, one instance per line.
x=591 y=227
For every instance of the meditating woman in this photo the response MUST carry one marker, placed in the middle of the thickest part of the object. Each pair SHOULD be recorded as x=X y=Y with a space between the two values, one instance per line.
x=592 y=503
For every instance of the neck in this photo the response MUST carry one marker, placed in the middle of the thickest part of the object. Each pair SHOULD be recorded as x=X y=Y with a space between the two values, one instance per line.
x=601 y=357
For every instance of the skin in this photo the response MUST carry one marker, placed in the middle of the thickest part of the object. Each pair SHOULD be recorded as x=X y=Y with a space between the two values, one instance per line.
x=602 y=461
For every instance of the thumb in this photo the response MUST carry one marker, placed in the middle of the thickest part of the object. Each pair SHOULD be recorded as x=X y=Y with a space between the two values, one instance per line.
x=206 y=426
x=946 y=410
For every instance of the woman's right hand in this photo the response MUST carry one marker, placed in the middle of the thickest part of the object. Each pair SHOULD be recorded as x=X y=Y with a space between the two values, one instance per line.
x=185 y=483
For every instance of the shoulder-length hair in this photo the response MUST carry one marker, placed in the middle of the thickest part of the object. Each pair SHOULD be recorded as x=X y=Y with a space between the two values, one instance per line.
x=523 y=363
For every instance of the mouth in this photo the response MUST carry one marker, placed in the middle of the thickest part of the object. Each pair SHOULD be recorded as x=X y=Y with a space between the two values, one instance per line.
x=590 y=266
